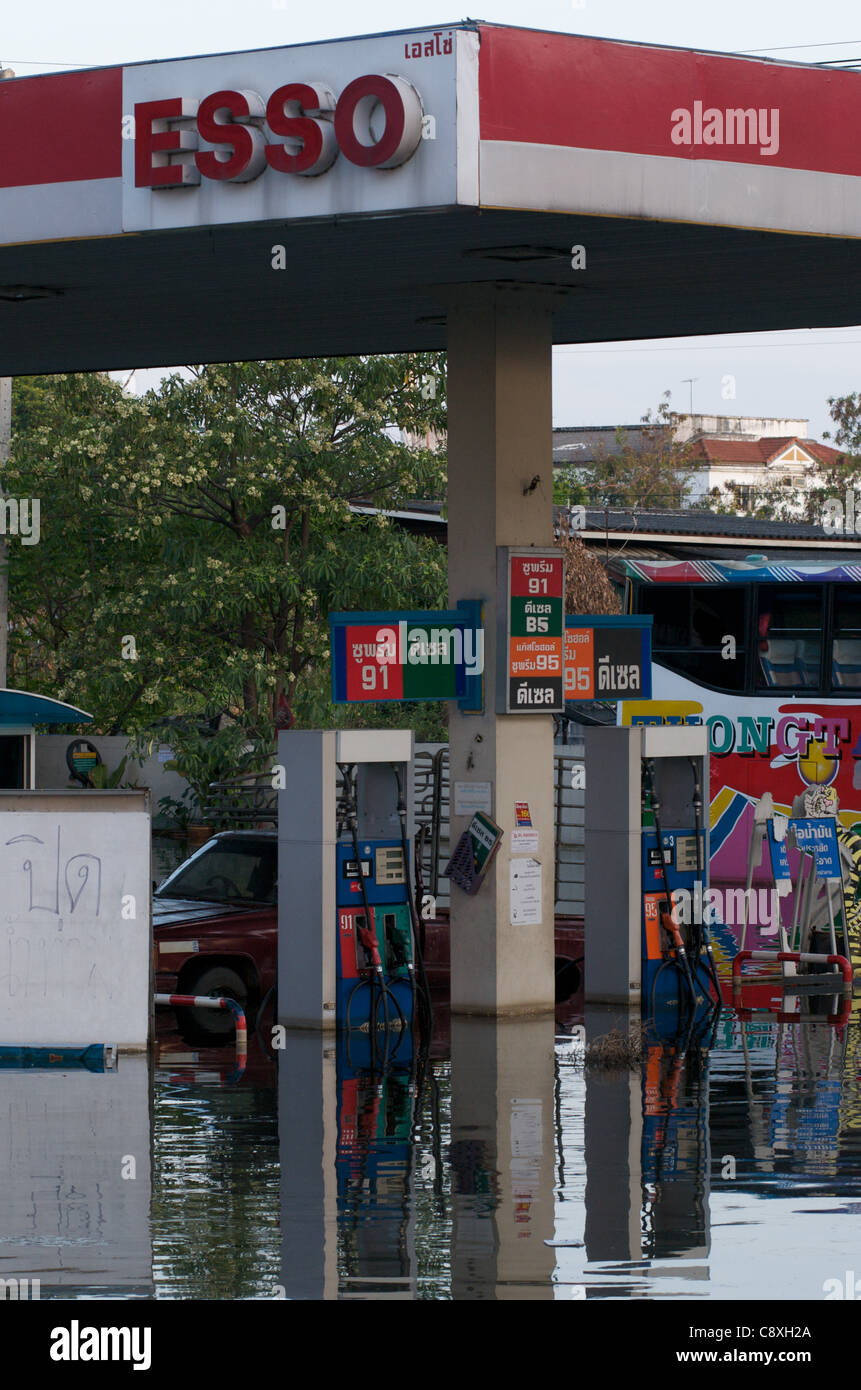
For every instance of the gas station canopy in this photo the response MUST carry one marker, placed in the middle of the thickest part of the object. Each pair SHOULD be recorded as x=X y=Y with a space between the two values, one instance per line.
x=335 y=198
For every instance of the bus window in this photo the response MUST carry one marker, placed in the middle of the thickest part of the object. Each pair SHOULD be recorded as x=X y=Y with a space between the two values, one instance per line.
x=789 y=636
x=846 y=638
x=692 y=625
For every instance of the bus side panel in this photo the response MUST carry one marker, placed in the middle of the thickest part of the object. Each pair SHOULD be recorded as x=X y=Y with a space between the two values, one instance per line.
x=784 y=746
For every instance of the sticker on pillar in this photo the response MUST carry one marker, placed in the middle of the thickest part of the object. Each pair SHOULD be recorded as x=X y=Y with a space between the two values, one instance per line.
x=524 y=840
x=470 y=797
x=521 y=813
x=525 y=892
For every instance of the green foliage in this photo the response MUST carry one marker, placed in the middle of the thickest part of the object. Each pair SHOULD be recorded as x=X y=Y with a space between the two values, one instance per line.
x=102 y=779
x=178 y=811
x=202 y=757
x=210 y=520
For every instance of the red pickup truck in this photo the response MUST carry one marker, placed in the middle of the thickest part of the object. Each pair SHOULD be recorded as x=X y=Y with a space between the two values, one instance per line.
x=215 y=925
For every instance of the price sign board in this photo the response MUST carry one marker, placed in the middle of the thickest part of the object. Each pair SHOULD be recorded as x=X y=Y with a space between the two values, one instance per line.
x=608 y=657
x=532 y=586
x=429 y=655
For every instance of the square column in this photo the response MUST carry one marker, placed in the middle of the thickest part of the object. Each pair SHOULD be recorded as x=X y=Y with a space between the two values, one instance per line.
x=499 y=439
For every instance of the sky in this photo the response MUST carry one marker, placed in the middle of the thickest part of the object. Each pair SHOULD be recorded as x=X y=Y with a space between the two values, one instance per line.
x=788 y=374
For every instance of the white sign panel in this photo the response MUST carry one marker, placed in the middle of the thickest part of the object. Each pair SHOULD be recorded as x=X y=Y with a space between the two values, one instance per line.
x=315 y=130
x=524 y=840
x=525 y=892
x=470 y=797
x=75 y=950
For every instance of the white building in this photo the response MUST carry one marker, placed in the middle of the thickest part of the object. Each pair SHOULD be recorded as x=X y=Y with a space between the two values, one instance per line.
x=750 y=452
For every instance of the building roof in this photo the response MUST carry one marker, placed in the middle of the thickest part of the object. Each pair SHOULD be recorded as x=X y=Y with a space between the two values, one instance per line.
x=692 y=523
x=575 y=444
x=657 y=531
x=760 y=451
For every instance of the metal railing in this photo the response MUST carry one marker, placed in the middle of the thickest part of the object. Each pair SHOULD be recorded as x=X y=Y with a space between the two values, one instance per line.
x=432 y=811
x=245 y=801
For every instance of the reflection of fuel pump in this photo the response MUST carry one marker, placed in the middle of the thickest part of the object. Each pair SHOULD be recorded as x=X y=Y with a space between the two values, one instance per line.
x=646 y=930
x=346 y=942
x=373 y=1165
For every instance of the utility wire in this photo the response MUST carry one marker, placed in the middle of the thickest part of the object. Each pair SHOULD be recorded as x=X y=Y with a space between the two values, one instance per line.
x=789 y=47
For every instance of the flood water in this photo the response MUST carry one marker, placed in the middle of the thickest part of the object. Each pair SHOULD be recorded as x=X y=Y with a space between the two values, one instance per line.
x=497 y=1167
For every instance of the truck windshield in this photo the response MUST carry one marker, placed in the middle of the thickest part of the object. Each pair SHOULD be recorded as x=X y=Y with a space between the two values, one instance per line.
x=227 y=871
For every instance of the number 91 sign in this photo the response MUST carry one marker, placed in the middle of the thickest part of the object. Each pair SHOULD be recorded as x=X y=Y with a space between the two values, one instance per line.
x=532 y=584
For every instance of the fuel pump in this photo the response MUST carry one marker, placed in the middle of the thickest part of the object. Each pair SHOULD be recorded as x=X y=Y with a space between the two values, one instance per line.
x=646 y=930
x=677 y=968
x=347 y=947
x=375 y=954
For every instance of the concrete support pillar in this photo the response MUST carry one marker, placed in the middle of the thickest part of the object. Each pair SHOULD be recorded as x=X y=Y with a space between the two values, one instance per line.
x=499 y=438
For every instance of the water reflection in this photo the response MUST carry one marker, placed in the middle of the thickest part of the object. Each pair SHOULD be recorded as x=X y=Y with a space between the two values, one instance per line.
x=76 y=1189
x=494 y=1166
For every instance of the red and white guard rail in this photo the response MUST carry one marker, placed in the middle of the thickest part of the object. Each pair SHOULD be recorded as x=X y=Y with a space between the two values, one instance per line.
x=795 y=956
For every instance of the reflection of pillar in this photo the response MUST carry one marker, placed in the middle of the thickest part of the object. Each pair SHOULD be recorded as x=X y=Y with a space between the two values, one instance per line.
x=502 y=1157
x=614 y=1141
x=647 y=1152
x=307 y=1129
x=499 y=438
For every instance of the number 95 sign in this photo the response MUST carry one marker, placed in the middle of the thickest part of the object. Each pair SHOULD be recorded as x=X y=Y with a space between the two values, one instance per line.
x=534 y=584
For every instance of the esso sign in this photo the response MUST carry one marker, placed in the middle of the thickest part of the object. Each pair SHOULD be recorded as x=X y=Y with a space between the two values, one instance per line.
x=375 y=123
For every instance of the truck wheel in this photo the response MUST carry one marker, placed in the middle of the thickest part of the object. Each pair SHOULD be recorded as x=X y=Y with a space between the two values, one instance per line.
x=218 y=980
x=567 y=978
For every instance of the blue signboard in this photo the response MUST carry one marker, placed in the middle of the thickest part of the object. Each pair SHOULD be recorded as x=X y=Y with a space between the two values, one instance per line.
x=819 y=838
x=430 y=654
x=779 y=858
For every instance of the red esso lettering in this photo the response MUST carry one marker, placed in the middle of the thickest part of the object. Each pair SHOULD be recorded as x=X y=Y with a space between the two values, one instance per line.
x=310 y=147
x=376 y=123
x=354 y=115
x=248 y=148
x=156 y=143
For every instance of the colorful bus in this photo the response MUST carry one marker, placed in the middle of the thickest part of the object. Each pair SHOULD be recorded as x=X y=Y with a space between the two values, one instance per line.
x=768 y=656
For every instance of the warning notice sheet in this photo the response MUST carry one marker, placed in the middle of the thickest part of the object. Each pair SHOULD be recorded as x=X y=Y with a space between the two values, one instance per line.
x=525 y=892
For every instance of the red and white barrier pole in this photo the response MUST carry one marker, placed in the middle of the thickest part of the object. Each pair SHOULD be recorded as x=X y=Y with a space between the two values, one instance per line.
x=205 y=1001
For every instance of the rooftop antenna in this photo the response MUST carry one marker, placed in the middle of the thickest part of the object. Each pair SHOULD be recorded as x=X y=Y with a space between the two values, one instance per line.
x=690 y=380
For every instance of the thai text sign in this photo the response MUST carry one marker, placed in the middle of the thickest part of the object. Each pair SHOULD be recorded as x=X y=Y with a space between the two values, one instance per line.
x=535 y=583
x=406 y=656
x=608 y=658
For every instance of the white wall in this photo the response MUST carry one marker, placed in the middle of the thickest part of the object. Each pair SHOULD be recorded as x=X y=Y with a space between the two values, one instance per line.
x=76 y=939
x=52 y=771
